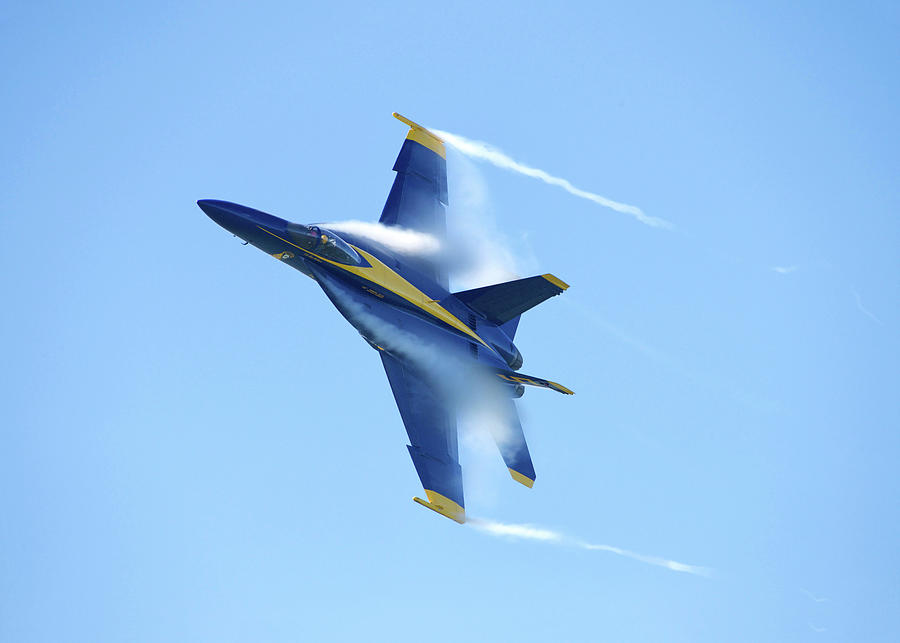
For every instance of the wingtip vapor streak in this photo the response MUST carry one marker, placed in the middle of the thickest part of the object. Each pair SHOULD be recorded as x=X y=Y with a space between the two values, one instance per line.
x=387 y=295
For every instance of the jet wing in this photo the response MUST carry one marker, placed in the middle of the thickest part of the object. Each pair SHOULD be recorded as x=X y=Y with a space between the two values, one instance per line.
x=431 y=426
x=419 y=192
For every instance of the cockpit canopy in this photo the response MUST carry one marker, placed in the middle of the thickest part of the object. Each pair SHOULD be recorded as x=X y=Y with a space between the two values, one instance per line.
x=324 y=243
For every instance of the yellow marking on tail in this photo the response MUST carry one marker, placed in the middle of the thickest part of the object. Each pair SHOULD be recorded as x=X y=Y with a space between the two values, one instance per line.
x=423 y=136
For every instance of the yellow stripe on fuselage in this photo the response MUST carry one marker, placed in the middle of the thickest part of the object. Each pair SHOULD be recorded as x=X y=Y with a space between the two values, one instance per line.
x=380 y=274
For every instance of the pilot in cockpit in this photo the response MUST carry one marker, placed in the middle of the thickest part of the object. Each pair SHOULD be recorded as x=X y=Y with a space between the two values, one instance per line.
x=323 y=243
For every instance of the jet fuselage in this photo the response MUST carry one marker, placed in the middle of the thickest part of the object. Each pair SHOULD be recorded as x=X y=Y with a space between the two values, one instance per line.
x=395 y=306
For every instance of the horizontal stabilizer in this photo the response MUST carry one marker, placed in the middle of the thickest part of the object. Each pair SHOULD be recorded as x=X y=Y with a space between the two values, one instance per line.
x=521 y=378
x=502 y=302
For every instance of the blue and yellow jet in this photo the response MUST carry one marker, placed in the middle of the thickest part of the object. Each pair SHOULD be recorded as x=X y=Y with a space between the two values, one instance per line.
x=402 y=306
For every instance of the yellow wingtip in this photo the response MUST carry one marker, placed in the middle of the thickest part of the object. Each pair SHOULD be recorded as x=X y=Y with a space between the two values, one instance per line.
x=442 y=505
x=556 y=281
x=521 y=479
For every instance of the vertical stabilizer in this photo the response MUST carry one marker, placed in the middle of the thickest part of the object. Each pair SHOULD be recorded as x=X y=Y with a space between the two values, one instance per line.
x=510 y=439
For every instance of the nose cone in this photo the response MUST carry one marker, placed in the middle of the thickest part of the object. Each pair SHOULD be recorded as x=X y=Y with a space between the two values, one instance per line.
x=240 y=220
x=219 y=212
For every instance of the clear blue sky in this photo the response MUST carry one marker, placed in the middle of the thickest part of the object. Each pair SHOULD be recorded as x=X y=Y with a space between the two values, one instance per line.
x=196 y=446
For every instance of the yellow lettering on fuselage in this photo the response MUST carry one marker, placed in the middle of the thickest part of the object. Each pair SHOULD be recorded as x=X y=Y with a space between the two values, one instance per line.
x=373 y=292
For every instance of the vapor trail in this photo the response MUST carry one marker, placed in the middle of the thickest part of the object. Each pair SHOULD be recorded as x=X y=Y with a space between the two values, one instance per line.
x=813 y=597
x=489 y=153
x=396 y=238
x=674 y=565
x=527 y=532
x=784 y=270
x=532 y=532
x=865 y=311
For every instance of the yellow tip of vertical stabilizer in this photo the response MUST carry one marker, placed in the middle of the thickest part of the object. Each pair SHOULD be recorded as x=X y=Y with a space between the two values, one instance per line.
x=444 y=506
x=423 y=136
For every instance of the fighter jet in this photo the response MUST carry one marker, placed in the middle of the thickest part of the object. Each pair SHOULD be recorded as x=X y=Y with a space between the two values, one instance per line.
x=401 y=304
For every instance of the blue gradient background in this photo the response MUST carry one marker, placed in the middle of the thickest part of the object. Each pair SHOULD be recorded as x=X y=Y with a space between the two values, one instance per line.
x=195 y=446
